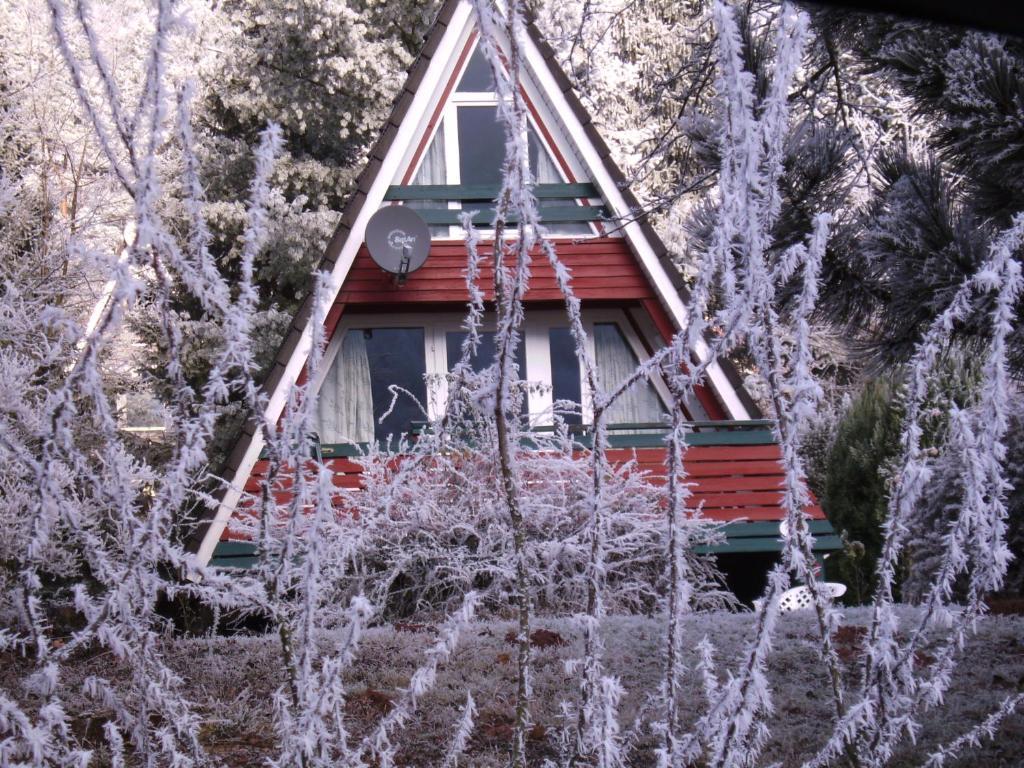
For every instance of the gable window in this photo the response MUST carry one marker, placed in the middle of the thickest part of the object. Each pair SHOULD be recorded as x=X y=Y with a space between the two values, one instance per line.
x=485 y=351
x=484 y=357
x=468 y=149
x=477 y=76
x=414 y=354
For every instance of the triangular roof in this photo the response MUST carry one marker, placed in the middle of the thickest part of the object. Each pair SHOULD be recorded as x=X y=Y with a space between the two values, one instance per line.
x=391 y=155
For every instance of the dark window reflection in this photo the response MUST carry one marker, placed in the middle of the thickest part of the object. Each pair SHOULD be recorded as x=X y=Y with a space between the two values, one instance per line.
x=477 y=77
x=482 y=152
x=484 y=356
x=565 y=371
x=485 y=351
x=396 y=356
x=481 y=145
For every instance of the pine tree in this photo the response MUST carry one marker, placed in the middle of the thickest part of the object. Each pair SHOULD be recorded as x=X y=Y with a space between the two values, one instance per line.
x=854 y=489
x=326 y=72
x=946 y=180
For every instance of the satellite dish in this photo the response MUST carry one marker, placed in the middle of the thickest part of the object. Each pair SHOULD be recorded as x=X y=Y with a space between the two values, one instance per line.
x=398 y=239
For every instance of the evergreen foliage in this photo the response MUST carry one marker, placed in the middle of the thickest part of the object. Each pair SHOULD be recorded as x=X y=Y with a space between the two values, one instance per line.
x=946 y=179
x=854 y=488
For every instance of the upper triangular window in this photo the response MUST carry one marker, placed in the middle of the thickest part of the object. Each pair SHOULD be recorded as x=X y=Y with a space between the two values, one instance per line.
x=466 y=153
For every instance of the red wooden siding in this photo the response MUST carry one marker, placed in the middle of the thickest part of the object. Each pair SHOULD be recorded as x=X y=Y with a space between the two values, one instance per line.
x=602 y=268
x=733 y=481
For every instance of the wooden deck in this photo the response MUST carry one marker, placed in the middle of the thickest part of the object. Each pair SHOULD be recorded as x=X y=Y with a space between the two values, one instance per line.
x=735 y=474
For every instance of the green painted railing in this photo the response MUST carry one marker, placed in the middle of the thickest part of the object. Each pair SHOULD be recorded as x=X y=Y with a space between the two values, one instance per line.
x=639 y=435
x=766 y=537
x=481 y=198
x=741 y=538
x=488 y=192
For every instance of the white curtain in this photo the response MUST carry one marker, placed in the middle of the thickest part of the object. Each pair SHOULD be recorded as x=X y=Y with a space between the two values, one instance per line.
x=546 y=170
x=432 y=170
x=615 y=362
x=345 y=409
x=547 y=173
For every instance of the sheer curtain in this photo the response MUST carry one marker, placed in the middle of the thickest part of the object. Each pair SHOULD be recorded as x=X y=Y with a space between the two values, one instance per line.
x=432 y=170
x=546 y=172
x=615 y=362
x=345 y=409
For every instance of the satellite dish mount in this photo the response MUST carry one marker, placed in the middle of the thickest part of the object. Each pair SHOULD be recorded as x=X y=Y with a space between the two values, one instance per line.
x=403 y=265
x=398 y=240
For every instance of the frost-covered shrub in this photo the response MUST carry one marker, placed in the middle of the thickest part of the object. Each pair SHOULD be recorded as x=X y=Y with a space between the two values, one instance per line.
x=431 y=527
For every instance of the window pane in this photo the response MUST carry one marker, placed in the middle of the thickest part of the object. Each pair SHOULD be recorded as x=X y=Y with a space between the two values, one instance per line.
x=397 y=356
x=565 y=371
x=546 y=172
x=477 y=77
x=484 y=356
x=432 y=170
x=482 y=151
x=615 y=363
x=355 y=393
x=481 y=145
x=485 y=351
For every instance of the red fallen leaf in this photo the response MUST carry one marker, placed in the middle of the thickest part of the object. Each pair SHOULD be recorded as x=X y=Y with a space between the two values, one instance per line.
x=504 y=658
x=498 y=732
x=494 y=726
x=537 y=733
x=851 y=637
x=541 y=638
x=544 y=638
x=846 y=654
x=848 y=642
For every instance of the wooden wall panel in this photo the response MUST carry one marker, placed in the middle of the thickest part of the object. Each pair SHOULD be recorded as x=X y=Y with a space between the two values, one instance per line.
x=602 y=268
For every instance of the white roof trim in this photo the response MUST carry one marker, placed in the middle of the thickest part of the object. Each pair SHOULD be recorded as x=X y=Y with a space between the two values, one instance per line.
x=634 y=233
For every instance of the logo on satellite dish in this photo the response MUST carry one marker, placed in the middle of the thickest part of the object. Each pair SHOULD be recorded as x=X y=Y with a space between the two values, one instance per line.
x=399 y=238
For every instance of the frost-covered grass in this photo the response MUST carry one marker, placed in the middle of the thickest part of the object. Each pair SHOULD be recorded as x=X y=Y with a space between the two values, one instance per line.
x=232 y=679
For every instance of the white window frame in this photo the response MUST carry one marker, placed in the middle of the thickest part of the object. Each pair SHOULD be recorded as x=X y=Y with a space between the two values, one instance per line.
x=535 y=339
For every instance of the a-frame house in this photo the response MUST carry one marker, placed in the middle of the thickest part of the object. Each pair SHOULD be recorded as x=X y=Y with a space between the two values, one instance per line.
x=440 y=150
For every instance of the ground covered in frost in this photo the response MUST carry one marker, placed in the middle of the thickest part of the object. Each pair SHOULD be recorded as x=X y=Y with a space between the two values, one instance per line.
x=232 y=680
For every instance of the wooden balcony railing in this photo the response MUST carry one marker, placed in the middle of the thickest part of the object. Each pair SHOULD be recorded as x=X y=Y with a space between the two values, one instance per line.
x=734 y=474
x=558 y=203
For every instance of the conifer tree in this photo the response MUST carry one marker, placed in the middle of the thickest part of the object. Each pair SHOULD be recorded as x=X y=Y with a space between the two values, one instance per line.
x=946 y=180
